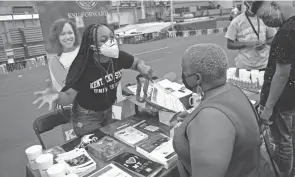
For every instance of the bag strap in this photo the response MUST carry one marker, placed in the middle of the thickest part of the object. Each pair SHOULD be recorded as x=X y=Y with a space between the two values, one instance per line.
x=267 y=144
x=258 y=22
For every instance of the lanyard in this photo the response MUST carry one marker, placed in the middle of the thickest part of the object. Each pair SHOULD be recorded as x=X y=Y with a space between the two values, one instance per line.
x=258 y=23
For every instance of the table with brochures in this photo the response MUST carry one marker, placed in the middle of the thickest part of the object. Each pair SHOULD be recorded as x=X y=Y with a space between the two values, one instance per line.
x=110 y=130
x=165 y=127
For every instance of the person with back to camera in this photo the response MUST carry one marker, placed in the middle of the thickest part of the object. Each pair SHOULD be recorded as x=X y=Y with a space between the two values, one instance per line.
x=92 y=80
x=251 y=37
x=64 y=40
x=221 y=137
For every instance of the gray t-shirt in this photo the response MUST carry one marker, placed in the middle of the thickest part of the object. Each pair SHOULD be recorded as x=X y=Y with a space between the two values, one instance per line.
x=240 y=30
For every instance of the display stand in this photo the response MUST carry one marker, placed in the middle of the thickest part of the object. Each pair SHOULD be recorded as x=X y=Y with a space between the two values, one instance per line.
x=165 y=117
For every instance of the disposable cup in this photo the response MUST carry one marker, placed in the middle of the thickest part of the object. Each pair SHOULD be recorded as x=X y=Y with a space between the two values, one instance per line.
x=57 y=170
x=254 y=75
x=33 y=152
x=44 y=161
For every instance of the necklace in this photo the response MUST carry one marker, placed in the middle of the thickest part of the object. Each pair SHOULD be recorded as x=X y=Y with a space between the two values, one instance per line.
x=107 y=70
x=95 y=56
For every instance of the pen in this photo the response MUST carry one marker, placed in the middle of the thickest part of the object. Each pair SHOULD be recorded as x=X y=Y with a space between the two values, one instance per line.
x=125 y=125
x=138 y=123
x=181 y=91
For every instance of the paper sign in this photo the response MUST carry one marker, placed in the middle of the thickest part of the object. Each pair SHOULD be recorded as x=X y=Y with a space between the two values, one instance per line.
x=117 y=112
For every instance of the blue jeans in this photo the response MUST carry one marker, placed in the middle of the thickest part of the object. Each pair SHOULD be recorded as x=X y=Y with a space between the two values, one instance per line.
x=86 y=121
x=283 y=135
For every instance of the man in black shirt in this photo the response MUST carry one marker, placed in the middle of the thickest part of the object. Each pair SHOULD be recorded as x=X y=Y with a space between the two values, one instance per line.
x=278 y=91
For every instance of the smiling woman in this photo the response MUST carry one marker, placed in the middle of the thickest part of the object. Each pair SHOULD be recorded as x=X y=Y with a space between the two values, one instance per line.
x=64 y=40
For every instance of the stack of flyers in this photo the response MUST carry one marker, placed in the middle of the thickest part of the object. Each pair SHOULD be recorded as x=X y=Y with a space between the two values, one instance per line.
x=55 y=151
x=77 y=161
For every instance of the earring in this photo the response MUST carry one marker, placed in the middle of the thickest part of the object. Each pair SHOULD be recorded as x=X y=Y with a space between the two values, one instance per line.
x=200 y=92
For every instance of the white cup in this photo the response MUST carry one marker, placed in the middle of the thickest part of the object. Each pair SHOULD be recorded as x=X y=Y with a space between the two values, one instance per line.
x=33 y=153
x=231 y=72
x=194 y=100
x=255 y=75
x=57 y=170
x=44 y=161
x=244 y=74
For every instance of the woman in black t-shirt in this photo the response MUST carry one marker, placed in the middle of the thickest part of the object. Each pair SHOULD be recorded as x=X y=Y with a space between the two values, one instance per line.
x=92 y=80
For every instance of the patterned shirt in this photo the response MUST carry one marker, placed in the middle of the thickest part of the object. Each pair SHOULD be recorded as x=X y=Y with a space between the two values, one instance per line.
x=282 y=52
x=240 y=30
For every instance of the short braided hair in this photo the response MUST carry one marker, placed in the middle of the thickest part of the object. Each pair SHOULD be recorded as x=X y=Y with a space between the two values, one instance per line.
x=209 y=60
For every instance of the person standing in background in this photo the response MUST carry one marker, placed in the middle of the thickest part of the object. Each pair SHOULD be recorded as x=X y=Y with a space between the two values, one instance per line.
x=277 y=100
x=248 y=34
x=64 y=40
x=234 y=13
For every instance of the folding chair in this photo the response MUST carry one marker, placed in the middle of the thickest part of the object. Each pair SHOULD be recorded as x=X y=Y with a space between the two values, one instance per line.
x=49 y=121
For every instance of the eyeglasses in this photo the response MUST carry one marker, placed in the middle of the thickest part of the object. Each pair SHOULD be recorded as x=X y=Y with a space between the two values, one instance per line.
x=190 y=75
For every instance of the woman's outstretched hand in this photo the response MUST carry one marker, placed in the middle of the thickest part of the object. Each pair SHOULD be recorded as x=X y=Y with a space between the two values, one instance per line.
x=49 y=96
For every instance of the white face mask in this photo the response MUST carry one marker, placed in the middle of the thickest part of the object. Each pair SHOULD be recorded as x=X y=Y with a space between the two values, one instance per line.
x=110 y=49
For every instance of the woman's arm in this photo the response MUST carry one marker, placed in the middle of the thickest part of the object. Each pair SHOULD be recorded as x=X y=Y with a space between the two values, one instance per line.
x=211 y=138
x=66 y=98
x=138 y=65
x=128 y=61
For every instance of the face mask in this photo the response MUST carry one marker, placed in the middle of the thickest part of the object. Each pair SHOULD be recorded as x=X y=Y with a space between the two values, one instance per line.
x=185 y=83
x=271 y=21
x=110 y=49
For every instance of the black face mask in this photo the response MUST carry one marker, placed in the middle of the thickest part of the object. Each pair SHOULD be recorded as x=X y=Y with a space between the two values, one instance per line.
x=185 y=83
x=272 y=22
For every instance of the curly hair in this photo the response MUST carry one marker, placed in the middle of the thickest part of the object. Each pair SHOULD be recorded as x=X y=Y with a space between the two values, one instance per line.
x=209 y=60
x=55 y=30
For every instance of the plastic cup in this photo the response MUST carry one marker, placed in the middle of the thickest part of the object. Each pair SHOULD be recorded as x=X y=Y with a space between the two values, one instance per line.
x=33 y=152
x=57 y=170
x=44 y=161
